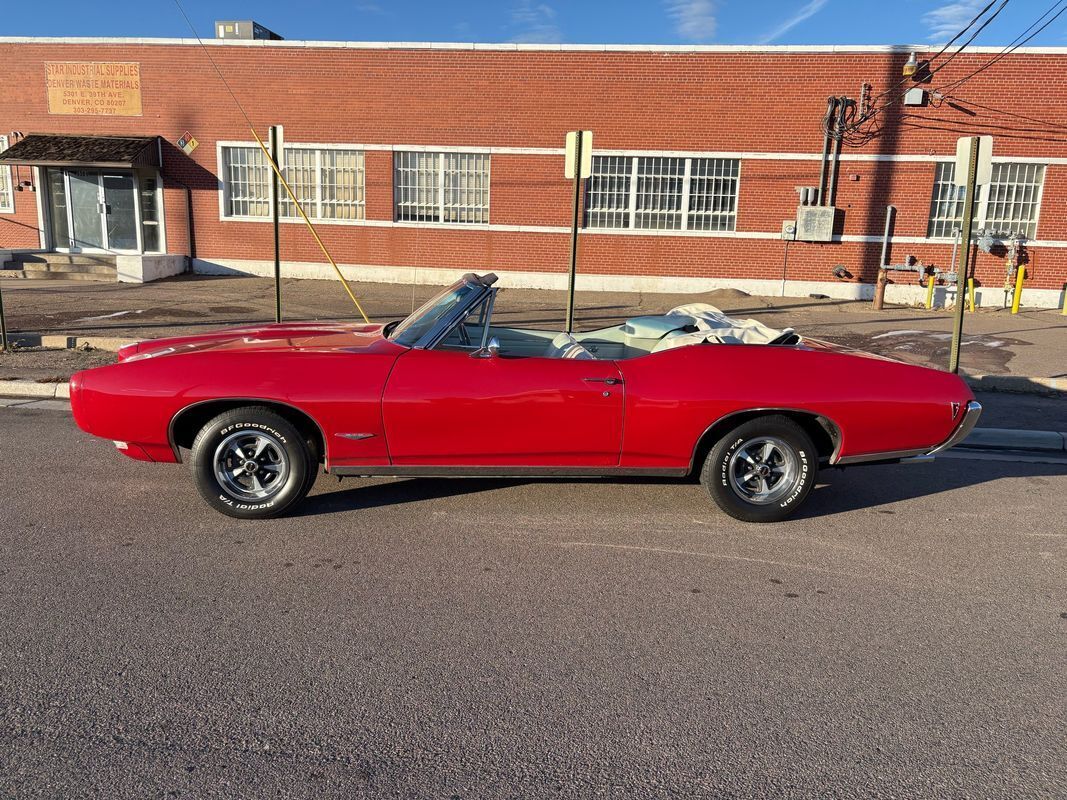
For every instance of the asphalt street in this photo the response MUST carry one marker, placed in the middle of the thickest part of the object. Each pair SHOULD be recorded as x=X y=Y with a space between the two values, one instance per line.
x=903 y=637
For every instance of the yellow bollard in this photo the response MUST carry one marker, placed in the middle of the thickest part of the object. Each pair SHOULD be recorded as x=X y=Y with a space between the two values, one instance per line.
x=930 y=292
x=970 y=293
x=1020 y=273
x=1065 y=299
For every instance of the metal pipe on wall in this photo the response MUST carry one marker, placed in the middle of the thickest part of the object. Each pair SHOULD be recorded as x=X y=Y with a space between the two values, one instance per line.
x=831 y=107
x=890 y=211
x=839 y=128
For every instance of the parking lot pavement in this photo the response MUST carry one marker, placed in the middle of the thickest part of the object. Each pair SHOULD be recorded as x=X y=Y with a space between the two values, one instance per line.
x=424 y=638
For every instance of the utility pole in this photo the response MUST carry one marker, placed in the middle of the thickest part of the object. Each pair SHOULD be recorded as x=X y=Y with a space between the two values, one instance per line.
x=975 y=153
x=578 y=165
x=279 y=161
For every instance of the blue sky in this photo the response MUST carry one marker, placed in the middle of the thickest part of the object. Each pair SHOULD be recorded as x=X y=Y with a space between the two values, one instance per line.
x=585 y=21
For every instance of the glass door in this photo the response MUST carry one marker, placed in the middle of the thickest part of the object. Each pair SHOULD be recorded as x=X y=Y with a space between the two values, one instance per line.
x=120 y=211
x=86 y=211
x=94 y=211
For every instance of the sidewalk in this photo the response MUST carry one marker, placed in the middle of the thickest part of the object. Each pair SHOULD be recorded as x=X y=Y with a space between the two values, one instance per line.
x=1032 y=344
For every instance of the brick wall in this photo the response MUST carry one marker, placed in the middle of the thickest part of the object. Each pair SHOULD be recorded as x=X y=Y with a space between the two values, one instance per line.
x=767 y=102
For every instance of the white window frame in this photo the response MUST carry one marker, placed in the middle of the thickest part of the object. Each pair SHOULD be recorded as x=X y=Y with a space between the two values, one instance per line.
x=981 y=210
x=7 y=188
x=442 y=206
x=683 y=211
x=313 y=210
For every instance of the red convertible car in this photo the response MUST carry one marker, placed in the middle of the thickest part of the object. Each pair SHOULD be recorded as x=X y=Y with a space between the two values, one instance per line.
x=752 y=411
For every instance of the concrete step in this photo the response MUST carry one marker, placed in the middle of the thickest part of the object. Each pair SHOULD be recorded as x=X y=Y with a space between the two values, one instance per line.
x=61 y=266
x=42 y=274
x=87 y=268
x=90 y=259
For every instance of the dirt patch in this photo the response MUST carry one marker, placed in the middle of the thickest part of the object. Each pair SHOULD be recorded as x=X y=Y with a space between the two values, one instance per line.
x=50 y=365
x=980 y=354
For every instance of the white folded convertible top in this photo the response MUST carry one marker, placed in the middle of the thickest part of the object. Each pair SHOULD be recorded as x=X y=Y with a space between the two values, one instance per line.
x=712 y=325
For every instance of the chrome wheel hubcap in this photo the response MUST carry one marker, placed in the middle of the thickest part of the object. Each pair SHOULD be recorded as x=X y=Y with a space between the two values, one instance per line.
x=763 y=470
x=251 y=465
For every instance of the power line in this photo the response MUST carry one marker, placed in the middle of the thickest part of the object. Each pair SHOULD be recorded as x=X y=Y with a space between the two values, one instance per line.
x=218 y=71
x=851 y=131
x=948 y=44
x=1014 y=45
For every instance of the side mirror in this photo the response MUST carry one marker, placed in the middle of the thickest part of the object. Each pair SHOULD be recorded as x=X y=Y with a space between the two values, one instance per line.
x=491 y=350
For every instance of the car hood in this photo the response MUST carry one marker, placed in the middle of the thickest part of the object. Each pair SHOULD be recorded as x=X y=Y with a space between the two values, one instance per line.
x=312 y=336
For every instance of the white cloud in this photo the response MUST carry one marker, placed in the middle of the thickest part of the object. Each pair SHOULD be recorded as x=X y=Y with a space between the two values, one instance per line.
x=534 y=22
x=809 y=9
x=694 y=20
x=946 y=21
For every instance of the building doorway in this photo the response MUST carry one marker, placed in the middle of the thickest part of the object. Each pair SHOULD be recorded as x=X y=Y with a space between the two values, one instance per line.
x=103 y=211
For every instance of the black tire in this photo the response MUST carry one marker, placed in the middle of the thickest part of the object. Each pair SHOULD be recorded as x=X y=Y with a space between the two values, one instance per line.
x=266 y=479
x=787 y=475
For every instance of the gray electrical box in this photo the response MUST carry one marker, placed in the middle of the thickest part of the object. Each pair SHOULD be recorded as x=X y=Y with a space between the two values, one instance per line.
x=242 y=29
x=789 y=229
x=815 y=223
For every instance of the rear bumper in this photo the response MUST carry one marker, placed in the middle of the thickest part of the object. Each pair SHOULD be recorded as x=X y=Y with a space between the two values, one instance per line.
x=970 y=418
x=963 y=430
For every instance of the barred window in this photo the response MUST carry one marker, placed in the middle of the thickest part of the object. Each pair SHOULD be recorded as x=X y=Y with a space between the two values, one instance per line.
x=7 y=195
x=607 y=200
x=328 y=182
x=659 y=193
x=441 y=187
x=713 y=194
x=663 y=193
x=1008 y=205
x=246 y=182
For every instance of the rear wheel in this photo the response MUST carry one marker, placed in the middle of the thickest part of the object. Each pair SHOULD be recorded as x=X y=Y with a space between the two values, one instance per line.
x=762 y=470
x=252 y=463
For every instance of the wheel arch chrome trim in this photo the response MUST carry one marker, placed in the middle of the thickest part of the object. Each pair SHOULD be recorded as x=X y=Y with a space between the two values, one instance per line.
x=254 y=400
x=831 y=427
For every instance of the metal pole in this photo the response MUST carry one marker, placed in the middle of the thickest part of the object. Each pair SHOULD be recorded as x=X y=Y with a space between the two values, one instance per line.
x=831 y=107
x=3 y=324
x=274 y=219
x=574 y=229
x=889 y=212
x=965 y=256
x=839 y=130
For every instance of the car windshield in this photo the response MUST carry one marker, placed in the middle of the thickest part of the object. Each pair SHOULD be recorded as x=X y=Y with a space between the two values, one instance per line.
x=412 y=329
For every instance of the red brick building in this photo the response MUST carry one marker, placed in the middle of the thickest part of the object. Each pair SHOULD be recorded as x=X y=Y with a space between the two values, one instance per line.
x=444 y=158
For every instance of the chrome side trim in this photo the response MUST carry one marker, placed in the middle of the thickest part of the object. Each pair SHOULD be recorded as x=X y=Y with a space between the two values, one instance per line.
x=436 y=471
x=970 y=419
x=356 y=436
x=891 y=455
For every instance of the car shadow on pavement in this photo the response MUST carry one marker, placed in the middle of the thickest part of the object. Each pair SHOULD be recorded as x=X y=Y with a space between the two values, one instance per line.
x=837 y=491
x=842 y=490
x=396 y=491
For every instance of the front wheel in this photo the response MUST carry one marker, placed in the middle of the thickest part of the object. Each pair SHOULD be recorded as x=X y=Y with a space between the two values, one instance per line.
x=252 y=463
x=762 y=470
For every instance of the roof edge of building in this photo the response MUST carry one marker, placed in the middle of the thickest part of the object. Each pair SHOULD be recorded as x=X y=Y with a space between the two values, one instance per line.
x=522 y=46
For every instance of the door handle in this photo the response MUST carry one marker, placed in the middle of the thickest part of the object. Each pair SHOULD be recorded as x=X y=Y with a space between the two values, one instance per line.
x=608 y=381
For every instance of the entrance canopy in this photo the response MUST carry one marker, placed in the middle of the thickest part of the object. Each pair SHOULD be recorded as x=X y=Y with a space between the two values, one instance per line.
x=107 y=152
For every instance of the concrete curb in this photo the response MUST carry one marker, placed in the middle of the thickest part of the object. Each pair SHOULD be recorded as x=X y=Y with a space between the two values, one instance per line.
x=63 y=342
x=1012 y=439
x=1019 y=384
